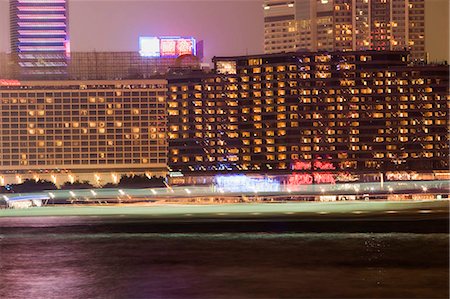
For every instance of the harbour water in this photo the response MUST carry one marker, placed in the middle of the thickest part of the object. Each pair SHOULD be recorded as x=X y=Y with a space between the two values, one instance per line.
x=76 y=257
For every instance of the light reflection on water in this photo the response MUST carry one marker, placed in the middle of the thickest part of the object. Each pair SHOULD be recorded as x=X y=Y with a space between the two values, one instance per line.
x=92 y=263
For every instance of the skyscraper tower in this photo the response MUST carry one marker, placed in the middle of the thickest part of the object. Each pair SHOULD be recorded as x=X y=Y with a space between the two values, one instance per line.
x=40 y=38
x=345 y=25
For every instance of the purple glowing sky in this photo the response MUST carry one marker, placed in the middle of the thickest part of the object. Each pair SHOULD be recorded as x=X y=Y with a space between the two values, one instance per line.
x=228 y=27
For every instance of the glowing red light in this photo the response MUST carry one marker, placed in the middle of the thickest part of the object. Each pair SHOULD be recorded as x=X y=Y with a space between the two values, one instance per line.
x=6 y=82
x=301 y=165
x=184 y=47
x=324 y=178
x=300 y=179
x=168 y=47
x=40 y=8
x=318 y=165
x=323 y=165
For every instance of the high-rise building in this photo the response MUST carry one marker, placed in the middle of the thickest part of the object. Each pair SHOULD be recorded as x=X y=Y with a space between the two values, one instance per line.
x=123 y=65
x=281 y=29
x=40 y=38
x=345 y=25
x=360 y=112
x=82 y=130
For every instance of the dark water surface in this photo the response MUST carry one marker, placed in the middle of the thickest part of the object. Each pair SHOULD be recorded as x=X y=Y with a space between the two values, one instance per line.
x=36 y=261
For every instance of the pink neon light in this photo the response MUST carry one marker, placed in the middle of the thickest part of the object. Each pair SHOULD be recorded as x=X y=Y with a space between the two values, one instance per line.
x=323 y=165
x=307 y=178
x=301 y=165
x=6 y=82
x=184 y=46
x=300 y=179
x=318 y=164
x=34 y=24
x=41 y=17
x=168 y=47
x=323 y=178
x=41 y=1
x=42 y=32
x=67 y=46
x=42 y=48
x=41 y=8
x=42 y=40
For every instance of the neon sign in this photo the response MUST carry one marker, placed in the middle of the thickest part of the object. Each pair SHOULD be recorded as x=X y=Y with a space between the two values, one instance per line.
x=323 y=178
x=308 y=178
x=6 y=82
x=314 y=177
x=184 y=47
x=166 y=46
x=242 y=183
x=323 y=165
x=300 y=179
x=301 y=165
x=317 y=165
x=401 y=176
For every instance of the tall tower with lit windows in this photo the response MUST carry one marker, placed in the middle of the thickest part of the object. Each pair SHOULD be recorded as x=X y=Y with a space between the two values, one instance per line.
x=345 y=25
x=40 y=38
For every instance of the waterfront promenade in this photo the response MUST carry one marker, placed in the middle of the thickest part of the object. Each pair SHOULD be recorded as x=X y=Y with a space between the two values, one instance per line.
x=429 y=216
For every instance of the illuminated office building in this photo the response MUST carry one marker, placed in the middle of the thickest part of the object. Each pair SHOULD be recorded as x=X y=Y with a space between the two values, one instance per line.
x=356 y=111
x=345 y=25
x=40 y=38
x=82 y=130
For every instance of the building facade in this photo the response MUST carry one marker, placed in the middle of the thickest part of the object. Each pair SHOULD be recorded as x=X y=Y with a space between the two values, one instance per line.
x=6 y=66
x=102 y=66
x=82 y=130
x=123 y=65
x=355 y=112
x=345 y=25
x=39 y=36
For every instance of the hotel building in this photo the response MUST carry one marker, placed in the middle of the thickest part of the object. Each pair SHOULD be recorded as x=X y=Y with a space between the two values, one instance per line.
x=357 y=112
x=82 y=130
x=345 y=25
x=40 y=38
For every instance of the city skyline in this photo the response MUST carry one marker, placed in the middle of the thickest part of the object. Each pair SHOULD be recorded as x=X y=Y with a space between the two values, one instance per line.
x=344 y=25
x=137 y=18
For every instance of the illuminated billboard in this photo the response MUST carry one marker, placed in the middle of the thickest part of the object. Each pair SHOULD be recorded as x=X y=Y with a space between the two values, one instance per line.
x=166 y=46
x=242 y=183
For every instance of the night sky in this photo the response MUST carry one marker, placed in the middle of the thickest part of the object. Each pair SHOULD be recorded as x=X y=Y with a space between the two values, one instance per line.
x=227 y=27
